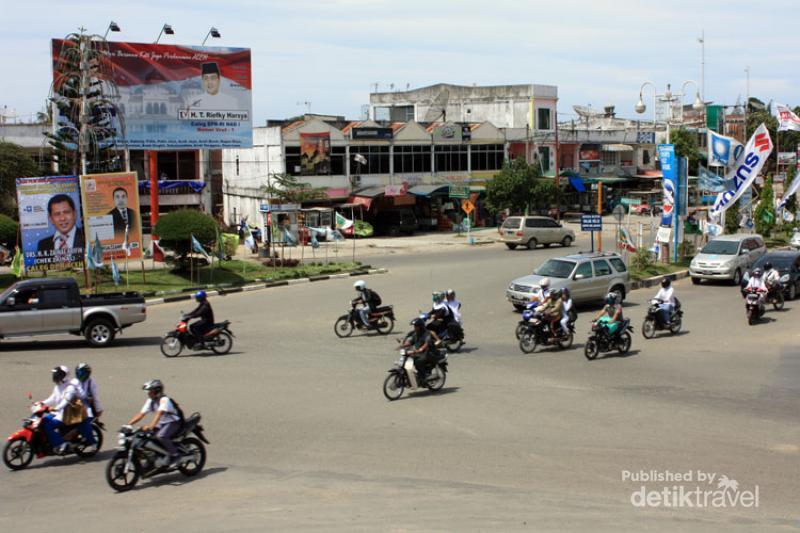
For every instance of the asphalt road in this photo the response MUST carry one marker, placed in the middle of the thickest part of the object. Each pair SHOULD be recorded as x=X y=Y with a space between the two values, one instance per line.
x=302 y=438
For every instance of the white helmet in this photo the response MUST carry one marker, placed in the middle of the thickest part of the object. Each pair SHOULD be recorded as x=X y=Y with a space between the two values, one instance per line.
x=360 y=285
x=544 y=284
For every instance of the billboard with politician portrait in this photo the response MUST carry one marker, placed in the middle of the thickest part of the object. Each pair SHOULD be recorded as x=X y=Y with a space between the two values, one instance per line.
x=111 y=209
x=50 y=223
x=175 y=97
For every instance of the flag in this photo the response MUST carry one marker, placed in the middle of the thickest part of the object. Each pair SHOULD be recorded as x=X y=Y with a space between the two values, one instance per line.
x=787 y=119
x=16 y=263
x=744 y=172
x=790 y=191
x=767 y=217
x=314 y=241
x=624 y=240
x=158 y=253
x=711 y=182
x=94 y=254
x=360 y=159
x=342 y=222
x=197 y=247
x=723 y=150
x=115 y=272
x=220 y=246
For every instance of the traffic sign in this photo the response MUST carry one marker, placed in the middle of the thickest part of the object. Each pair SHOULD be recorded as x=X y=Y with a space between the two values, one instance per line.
x=591 y=223
x=458 y=191
x=631 y=201
x=467 y=206
x=619 y=212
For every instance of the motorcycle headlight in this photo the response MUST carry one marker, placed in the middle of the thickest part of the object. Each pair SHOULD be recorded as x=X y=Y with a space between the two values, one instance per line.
x=785 y=278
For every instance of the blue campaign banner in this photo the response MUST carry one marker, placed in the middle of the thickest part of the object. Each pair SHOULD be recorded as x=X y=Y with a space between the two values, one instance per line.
x=669 y=171
x=50 y=222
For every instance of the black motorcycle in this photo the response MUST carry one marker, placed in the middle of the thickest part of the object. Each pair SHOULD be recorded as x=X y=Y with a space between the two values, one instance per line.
x=141 y=456
x=600 y=340
x=403 y=375
x=451 y=335
x=654 y=321
x=381 y=320
x=219 y=339
x=537 y=332
x=753 y=305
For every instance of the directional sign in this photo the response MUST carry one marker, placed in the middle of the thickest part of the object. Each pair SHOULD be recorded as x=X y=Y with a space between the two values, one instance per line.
x=630 y=201
x=591 y=223
x=458 y=191
x=619 y=212
x=467 y=206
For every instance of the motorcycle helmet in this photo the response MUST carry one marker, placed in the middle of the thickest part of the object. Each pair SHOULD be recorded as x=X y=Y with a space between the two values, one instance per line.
x=436 y=297
x=757 y=273
x=360 y=285
x=666 y=282
x=450 y=294
x=83 y=371
x=544 y=284
x=767 y=266
x=154 y=385
x=59 y=374
x=200 y=296
x=554 y=294
x=611 y=298
x=418 y=323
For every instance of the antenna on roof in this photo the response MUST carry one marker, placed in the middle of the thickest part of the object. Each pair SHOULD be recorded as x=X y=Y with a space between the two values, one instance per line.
x=375 y=87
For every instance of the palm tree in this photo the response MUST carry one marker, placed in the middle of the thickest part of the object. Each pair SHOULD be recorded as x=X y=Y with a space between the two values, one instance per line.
x=726 y=483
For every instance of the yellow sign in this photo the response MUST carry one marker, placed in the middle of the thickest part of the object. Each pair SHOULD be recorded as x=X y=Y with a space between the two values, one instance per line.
x=468 y=207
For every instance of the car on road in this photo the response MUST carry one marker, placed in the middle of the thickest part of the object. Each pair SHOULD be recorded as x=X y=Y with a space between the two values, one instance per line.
x=55 y=305
x=787 y=263
x=727 y=257
x=531 y=231
x=588 y=276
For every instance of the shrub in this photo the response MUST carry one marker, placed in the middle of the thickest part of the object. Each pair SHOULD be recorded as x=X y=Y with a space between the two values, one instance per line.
x=642 y=259
x=175 y=231
x=8 y=231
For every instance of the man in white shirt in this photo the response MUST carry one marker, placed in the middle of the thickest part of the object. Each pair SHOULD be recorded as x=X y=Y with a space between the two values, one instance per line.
x=63 y=393
x=772 y=278
x=666 y=294
x=453 y=304
x=166 y=422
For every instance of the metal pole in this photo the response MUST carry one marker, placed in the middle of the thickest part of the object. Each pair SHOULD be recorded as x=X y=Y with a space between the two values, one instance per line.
x=600 y=212
x=558 y=170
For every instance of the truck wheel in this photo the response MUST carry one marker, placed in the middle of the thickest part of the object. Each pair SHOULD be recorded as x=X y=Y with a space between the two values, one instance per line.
x=99 y=333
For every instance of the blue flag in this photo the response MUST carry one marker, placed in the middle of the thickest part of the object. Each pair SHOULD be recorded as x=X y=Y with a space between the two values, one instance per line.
x=197 y=247
x=115 y=272
x=94 y=255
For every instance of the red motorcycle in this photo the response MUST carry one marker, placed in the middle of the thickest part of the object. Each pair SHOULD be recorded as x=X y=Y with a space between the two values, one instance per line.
x=219 y=339
x=31 y=440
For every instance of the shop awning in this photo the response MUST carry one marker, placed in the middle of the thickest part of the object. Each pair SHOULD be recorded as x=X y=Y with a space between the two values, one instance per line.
x=337 y=192
x=370 y=192
x=428 y=190
x=577 y=183
x=607 y=179
x=617 y=148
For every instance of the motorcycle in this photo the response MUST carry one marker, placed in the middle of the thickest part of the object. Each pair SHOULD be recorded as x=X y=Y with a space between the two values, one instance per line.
x=219 y=339
x=452 y=335
x=754 y=305
x=382 y=321
x=537 y=332
x=775 y=293
x=600 y=340
x=22 y=445
x=141 y=456
x=403 y=375
x=654 y=321
x=530 y=312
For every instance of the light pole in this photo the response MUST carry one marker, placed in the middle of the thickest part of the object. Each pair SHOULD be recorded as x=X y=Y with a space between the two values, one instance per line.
x=668 y=97
x=113 y=26
x=214 y=33
x=165 y=29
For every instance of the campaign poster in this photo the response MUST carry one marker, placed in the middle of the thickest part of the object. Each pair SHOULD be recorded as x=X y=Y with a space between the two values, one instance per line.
x=179 y=97
x=669 y=171
x=315 y=151
x=50 y=223
x=110 y=206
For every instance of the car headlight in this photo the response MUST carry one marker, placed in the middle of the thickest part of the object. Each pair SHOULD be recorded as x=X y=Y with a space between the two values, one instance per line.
x=511 y=286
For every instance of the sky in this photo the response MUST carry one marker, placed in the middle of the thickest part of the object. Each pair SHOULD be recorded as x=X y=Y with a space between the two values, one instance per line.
x=331 y=52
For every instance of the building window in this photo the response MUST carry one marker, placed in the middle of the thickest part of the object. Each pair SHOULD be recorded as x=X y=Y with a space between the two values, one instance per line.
x=412 y=159
x=487 y=157
x=293 y=160
x=337 y=160
x=451 y=157
x=544 y=158
x=180 y=165
x=377 y=159
x=544 y=118
x=610 y=159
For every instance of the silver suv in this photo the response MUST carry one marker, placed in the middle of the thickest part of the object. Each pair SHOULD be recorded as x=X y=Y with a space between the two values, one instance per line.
x=727 y=257
x=531 y=231
x=588 y=276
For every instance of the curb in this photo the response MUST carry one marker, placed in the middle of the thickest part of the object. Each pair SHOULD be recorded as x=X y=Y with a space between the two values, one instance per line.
x=267 y=285
x=649 y=282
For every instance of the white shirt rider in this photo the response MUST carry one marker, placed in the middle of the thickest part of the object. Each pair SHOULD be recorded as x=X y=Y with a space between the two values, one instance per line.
x=62 y=394
x=772 y=277
x=85 y=390
x=455 y=308
x=165 y=406
x=666 y=295
x=756 y=283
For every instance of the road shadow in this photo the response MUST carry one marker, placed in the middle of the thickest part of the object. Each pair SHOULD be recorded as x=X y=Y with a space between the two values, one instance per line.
x=425 y=393
x=190 y=353
x=77 y=344
x=664 y=334
x=176 y=479
x=464 y=350
x=55 y=461
x=617 y=355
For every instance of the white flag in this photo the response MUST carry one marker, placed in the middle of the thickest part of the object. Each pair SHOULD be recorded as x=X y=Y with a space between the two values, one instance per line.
x=722 y=150
x=747 y=168
x=790 y=191
x=787 y=119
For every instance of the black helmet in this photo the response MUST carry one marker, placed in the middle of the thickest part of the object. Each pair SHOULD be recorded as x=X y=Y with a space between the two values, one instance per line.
x=666 y=282
x=83 y=371
x=757 y=273
x=418 y=323
x=767 y=266
x=154 y=385
x=59 y=373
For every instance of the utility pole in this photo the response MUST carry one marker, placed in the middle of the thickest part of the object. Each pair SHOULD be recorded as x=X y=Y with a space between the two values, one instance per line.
x=747 y=101
x=702 y=41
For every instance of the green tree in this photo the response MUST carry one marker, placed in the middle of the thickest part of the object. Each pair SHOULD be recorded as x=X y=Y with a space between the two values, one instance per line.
x=14 y=163
x=791 y=203
x=289 y=189
x=175 y=231
x=8 y=231
x=732 y=219
x=764 y=214
x=514 y=187
x=687 y=145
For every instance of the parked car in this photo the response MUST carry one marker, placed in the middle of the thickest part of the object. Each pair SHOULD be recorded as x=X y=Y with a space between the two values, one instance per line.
x=47 y=306
x=395 y=221
x=532 y=231
x=787 y=263
x=727 y=257
x=641 y=209
x=588 y=276
x=795 y=242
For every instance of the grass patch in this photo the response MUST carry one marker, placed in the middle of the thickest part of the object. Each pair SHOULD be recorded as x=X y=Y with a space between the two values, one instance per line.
x=658 y=269
x=230 y=273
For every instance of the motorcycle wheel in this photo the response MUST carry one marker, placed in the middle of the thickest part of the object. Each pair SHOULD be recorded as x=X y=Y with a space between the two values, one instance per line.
x=527 y=343
x=778 y=301
x=193 y=466
x=520 y=330
x=649 y=328
x=566 y=343
x=624 y=342
x=393 y=387
x=675 y=326
x=17 y=454
x=171 y=346
x=437 y=383
x=591 y=349
x=117 y=478
x=751 y=317
x=222 y=344
x=453 y=346
x=84 y=450
x=384 y=325
x=343 y=327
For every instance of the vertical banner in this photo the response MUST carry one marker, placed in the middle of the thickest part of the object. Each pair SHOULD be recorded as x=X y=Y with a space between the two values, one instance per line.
x=110 y=203
x=315 y=151
x=50 y=222
x=669 y=170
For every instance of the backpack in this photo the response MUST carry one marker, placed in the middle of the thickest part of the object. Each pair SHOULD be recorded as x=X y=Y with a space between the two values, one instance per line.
x=178 y=410
x=373 y=298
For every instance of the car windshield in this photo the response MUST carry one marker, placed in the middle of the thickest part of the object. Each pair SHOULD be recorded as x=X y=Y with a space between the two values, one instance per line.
x=512 y=222
x=780 y=262
x=555 y=268
x=721 y=247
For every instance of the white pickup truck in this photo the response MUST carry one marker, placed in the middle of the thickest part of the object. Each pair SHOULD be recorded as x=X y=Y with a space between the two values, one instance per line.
x=50 y=306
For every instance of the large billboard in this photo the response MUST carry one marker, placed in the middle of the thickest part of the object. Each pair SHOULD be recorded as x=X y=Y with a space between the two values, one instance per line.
x=110 y=207
x=315 y=158
x=175 y=97
x=50 y=222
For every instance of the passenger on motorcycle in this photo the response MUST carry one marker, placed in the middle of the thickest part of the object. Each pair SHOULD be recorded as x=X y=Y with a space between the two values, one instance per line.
x=423 y=353
x=166 y=421
x=367 y=298
x=453 y=304
x=204 y=312
x=611 y=314
x=666 y=294
x=566 y=302
x=756 y=283
x=53 y=423
x=441 y=315
x=772 y=278
x=86 y=387
x=553 y=310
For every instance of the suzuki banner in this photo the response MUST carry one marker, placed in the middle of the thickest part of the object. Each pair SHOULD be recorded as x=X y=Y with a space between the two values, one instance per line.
x=669 y=171
x=747 y=168
x=787 y=119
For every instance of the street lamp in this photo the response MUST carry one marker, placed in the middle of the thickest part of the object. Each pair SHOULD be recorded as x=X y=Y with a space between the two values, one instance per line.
x=165 y=29
x=668 y=97
x=213 y=32
x=113 y=26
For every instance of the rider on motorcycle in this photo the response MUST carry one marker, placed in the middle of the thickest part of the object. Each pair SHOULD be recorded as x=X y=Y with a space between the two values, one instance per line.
x=63 y=394
x=368 y=300
x=440 y=315
x=756 y=284
x=566 y=302
x=772 y=278
x=611 y=314
x=422 y=341
x=167 y=420
x=453 y=304
x=666 y=295
x=204 y=312
x=86 y=387
x=553 y=310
